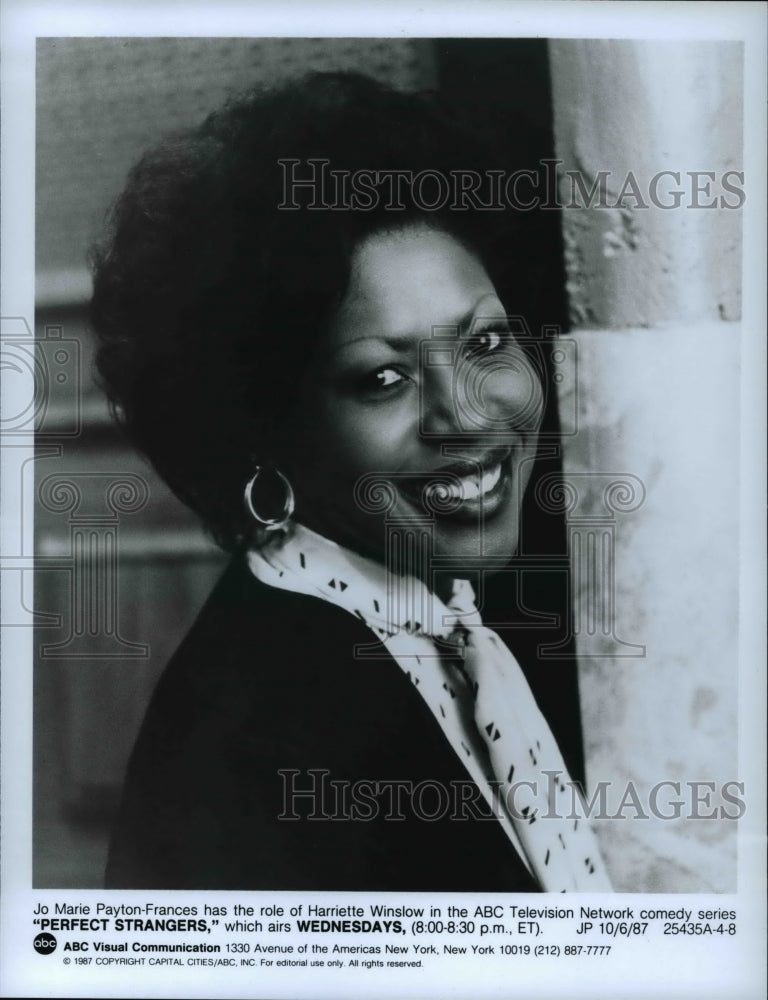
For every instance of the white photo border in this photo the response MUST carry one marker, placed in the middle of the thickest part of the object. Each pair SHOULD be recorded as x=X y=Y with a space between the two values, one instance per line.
x=687 y=969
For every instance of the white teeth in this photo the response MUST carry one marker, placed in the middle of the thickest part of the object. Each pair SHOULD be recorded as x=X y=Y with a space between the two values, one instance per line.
x=491 y=478
x=468 y=488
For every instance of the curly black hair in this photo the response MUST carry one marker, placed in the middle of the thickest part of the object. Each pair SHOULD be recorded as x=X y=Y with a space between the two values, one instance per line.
x=206 y=285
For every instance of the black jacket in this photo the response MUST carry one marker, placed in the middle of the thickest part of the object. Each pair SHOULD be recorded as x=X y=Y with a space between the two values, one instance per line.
x=266 y=682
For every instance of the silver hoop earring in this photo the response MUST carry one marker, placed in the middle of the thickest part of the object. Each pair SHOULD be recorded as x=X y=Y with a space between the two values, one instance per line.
x=270 y=523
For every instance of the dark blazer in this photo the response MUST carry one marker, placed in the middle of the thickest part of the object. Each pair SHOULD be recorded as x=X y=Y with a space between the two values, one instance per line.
x=267 y=682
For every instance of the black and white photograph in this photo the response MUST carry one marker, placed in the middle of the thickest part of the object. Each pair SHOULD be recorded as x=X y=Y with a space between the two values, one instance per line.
x=382 y=450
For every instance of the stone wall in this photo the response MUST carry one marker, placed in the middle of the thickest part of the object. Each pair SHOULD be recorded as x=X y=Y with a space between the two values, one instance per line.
x=654 y=297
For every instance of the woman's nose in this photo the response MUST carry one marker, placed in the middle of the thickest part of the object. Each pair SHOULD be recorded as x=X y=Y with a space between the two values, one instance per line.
x=440 y=408
x=475 y=394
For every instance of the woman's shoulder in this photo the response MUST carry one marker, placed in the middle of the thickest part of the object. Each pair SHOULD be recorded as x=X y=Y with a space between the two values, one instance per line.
x=257 y=655
x=248 y=626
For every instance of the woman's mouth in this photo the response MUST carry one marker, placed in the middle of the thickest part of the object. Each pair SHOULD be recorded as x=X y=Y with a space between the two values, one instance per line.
x=472 y=487
x=464 y=490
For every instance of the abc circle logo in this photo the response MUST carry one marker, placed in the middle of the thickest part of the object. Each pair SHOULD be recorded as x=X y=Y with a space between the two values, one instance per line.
x=45 y=943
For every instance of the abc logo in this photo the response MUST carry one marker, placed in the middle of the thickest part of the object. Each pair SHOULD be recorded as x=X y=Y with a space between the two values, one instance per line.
x=45 y=943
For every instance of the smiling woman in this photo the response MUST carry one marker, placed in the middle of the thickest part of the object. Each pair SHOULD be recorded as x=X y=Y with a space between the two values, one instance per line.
x=343 y=399
x=374 y=406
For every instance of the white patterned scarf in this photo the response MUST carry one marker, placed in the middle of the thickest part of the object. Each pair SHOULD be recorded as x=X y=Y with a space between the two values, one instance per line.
x=473 y=686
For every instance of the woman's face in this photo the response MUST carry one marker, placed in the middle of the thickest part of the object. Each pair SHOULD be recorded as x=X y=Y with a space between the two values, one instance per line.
x=419 y=389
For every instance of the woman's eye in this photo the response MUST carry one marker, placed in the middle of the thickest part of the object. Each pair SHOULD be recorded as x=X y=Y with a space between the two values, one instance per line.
x=486 y=342
x=381 y=379
x=387 y=377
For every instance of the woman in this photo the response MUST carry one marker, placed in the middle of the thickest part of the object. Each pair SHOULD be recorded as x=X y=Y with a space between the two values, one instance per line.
x=318 y=363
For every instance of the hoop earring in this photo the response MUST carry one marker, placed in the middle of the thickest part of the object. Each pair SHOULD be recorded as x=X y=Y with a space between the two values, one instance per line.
x=270 y=523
